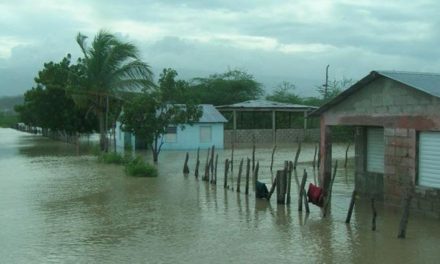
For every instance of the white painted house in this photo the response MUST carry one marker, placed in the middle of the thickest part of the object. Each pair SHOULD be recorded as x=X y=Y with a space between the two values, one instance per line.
x=204 y=133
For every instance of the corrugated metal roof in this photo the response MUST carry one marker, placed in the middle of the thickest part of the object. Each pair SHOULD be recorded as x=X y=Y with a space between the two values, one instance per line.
x=425 y=82
x=211 y=115
x=265 y=104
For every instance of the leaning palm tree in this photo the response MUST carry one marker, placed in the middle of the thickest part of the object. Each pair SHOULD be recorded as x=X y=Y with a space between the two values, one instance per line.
x=109 y=67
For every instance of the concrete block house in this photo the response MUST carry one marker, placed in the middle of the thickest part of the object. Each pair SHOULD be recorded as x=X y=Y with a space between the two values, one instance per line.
x=204 y=133
x=396 y=116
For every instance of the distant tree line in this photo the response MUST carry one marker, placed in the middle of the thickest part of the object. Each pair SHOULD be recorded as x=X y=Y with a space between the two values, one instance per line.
x=110 y=81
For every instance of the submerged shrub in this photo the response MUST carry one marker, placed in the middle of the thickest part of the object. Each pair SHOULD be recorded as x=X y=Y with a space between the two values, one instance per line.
x=139 y=168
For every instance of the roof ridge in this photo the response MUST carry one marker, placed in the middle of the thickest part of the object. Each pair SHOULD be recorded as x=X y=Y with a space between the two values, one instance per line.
x=408 y=72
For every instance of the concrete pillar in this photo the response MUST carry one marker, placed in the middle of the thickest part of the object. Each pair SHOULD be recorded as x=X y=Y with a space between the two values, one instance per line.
x=325 y=171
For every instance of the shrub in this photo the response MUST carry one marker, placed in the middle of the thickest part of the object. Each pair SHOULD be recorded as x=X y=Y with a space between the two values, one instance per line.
x=139 y=168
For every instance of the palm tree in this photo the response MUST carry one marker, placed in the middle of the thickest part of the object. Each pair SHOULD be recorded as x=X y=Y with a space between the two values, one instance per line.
x=109 y=67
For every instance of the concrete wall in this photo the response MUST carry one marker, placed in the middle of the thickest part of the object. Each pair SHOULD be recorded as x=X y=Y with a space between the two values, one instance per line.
x=403 y=112
x=265 y=136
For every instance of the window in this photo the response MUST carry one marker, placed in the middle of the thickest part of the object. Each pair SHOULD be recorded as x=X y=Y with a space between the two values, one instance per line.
x=429 y=159
x=375 y=150
x=205 y=134
x=171 y=135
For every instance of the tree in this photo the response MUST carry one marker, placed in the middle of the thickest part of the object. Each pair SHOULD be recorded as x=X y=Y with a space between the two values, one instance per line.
x=285 y=93
x=108 y=68
x=335 y=87
x=171 y=90
x=149 y=114
x=230 y=87
x=48 y=105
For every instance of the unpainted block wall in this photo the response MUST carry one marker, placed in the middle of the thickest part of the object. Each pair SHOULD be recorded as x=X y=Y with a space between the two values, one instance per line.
x=400 y=172
x=264 y=136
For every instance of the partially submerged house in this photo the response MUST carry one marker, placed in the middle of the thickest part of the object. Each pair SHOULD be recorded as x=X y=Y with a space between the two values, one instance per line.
x=397 y=136
x=204 y=133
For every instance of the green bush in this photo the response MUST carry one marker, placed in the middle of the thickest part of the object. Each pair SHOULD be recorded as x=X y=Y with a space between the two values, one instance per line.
x=111 y=157
x=139 y=168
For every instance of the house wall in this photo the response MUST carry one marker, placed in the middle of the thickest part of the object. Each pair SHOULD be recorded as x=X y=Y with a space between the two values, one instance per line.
x=189 y=137
x=121 y=138
x=403 y=112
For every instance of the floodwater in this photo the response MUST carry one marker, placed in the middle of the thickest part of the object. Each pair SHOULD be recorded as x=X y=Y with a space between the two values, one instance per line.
x=58 y=206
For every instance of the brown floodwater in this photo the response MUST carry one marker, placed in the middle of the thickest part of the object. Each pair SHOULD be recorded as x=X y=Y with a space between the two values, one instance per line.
x=58 y=206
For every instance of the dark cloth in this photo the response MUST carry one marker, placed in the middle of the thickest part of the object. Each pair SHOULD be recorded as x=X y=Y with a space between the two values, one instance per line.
x=261 y=190
x=315 y=195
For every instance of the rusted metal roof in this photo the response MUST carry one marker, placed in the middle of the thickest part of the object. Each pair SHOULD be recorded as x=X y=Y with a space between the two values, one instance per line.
x=265 y=105
x=428 y=83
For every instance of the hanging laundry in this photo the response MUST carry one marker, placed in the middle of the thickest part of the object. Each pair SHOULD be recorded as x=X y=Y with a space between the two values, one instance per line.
x=315 y=195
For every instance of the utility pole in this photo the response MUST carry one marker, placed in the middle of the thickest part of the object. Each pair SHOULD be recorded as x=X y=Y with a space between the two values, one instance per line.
x=326 y=82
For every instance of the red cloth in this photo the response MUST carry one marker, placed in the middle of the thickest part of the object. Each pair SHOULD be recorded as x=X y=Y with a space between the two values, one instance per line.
x=315 y=195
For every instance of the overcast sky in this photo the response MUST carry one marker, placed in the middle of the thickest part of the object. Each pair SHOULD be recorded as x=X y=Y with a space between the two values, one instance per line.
x=273 y=40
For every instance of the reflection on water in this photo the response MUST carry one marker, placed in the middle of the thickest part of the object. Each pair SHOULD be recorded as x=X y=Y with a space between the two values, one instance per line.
x=57 y=206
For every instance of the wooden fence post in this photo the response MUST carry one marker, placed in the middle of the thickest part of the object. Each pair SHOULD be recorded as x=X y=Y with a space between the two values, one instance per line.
x=253 y=157
x=232 y=159
x=273 y=153
x=329 y=193
x=206 y=177
x=405 y=216
x=212 y=162
x=185 y=166
x=215 y=169
x=373 y=222
x=301 y=191
x=297 y=154
x=255 y=176
x=240 y=169
x=196 y=171
x=274 y=184
x=346 y=154
x=248 y=168
x=289 y=180
x=225 y=185
x=350 y=208
x=281 y=186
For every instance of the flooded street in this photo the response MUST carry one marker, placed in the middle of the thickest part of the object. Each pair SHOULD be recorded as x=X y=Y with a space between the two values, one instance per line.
x=57 y=206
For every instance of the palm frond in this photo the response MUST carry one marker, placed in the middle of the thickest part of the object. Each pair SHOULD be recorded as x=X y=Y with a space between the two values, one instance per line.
x=81 y=40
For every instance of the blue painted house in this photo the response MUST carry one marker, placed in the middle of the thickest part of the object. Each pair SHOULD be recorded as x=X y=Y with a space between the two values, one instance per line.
x=204 y=133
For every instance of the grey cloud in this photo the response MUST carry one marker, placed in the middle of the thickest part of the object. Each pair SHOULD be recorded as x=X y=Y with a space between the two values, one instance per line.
x=402 y=36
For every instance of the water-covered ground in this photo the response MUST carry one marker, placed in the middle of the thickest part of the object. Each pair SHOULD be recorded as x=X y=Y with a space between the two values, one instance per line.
x=58 y=206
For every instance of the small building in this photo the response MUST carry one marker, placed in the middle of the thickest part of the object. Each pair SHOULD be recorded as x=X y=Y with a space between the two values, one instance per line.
x=204 y=133
x=397 y=137
x=264 y=121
